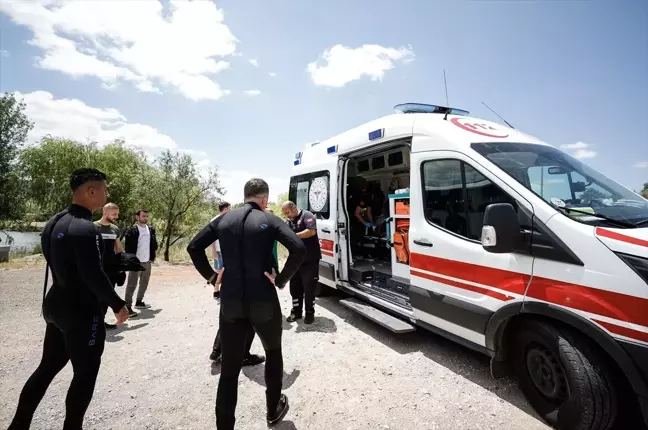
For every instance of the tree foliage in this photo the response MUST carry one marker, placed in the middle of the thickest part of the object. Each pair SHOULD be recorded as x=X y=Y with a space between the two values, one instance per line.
x=14 y=128
x=47 y=170
x=644 y=192
x=181 y=191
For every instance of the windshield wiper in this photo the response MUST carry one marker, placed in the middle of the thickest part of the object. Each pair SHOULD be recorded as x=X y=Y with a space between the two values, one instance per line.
x=620 y=223
x=641 y=222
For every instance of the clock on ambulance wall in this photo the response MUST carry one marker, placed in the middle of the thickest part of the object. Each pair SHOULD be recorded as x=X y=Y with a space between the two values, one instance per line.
x=318 y=195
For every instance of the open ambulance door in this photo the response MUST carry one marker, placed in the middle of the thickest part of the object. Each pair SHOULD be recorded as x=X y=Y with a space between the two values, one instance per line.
x=316 y=192
x=342 y=253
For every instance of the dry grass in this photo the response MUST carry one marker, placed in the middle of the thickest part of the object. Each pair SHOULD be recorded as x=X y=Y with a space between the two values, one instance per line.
x=18 y=261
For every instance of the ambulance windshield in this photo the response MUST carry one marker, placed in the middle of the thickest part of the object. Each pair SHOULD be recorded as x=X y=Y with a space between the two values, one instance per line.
x=567 y=184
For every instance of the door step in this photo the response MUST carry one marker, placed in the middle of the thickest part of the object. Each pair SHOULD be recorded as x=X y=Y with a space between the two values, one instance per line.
x=376 y=315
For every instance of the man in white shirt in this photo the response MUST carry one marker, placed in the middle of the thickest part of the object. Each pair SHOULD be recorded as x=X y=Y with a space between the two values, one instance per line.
x=141 y=241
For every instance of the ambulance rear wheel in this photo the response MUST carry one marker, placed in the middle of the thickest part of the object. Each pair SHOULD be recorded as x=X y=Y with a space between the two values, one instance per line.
x=564 y=377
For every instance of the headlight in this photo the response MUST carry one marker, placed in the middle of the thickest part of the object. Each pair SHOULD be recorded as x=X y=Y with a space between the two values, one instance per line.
x=638 y=264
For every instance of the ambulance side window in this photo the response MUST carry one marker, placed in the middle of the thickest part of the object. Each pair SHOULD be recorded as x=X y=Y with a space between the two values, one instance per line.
x=455 y=197
x=311 y=192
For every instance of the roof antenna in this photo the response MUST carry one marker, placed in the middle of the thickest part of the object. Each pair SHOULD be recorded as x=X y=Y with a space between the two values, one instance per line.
x=498 y=115
x=445 y=83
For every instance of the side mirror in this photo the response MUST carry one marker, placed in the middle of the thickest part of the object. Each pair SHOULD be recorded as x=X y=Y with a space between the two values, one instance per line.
x=501 y=228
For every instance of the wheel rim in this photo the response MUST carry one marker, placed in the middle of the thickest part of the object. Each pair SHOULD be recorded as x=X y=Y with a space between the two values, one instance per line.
x=546 y=373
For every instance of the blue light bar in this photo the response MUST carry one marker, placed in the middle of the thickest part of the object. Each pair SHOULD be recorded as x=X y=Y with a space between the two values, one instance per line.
x=331 y=149
x=297 y=163
x=376 y=134
x=425 y=108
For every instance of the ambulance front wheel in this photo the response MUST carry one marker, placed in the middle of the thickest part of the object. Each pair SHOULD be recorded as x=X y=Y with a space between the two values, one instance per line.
x=564 y=377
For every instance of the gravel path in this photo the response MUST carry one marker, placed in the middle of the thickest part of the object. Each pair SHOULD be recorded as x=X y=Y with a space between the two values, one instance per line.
x=343 y=372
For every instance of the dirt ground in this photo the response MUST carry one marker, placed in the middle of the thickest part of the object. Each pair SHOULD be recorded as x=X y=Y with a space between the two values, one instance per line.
x=343 y=372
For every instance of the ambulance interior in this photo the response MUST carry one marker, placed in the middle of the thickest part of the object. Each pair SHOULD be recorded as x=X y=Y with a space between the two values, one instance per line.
x=376 y=232
x=381 y=180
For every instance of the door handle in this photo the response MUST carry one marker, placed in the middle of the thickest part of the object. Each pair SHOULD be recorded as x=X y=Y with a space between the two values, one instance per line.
x=326 y=230
x=423 y=242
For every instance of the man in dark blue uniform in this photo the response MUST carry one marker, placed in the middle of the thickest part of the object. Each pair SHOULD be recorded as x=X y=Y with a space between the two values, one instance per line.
x=304 y=283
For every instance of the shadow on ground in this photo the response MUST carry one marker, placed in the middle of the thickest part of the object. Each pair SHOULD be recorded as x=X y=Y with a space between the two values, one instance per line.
x=145 y=314
x=114 y=335
x=321 y=324
x=461 y=360
x=256 y=374
x=285 y=425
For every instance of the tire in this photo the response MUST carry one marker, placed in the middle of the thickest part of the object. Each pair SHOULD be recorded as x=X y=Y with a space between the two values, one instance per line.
x=564 y=378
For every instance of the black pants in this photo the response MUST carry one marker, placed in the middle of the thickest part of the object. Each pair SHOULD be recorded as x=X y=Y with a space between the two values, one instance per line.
x=303 y=286
x=217 y=342
x=237 y=320
x=82 y=344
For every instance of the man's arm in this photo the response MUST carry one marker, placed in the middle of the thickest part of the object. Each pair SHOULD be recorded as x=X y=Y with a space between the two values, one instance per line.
x=118 y=245
x=358 y=215
x=197 y=246
x=296 y=252
x=311 y=226
x=87 y=253
x=307 y=233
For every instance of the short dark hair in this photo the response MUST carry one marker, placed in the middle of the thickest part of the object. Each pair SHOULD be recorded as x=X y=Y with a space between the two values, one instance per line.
x=255 y=187
x=82 y=176
x=139 y=212
x=222 y=206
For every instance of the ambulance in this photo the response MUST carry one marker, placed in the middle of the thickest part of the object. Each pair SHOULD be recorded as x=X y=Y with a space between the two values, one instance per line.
x=430 y=218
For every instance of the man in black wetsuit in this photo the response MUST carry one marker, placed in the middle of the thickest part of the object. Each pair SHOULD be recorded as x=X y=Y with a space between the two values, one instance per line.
x=248 y=294
x=75 y=330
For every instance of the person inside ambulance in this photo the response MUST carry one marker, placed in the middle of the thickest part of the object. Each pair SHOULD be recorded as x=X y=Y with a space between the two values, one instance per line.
x=362 y=219
x=455 y=222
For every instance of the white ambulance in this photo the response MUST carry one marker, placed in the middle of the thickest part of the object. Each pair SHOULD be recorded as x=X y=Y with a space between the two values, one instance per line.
x=483 y=234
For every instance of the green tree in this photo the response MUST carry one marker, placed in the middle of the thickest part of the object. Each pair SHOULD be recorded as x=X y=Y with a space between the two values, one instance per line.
x=48 y=166
x=182 y=192
x=644 y=192
x=14 y=128
x=126 y=170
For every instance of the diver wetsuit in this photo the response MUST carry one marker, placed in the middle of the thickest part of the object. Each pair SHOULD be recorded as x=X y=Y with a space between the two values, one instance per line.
x=248 y=298
x=75 y=330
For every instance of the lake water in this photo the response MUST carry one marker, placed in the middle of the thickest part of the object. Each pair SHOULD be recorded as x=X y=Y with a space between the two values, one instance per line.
x=22 y=240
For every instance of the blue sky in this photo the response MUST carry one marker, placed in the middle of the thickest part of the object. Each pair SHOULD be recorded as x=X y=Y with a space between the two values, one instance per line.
x=569 y=72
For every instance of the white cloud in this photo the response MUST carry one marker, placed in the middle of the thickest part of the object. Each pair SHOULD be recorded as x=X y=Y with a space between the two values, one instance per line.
x=254 y=62
x=253 y=92
x=340 y=65
x=272 y=74
x=234 y=180
x=117 y=41
x=580 y=150
x=73 y=119
x=641 y=164
x=4 y=53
